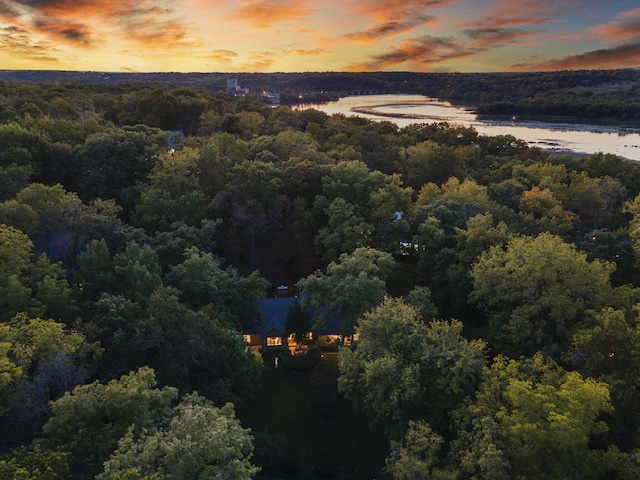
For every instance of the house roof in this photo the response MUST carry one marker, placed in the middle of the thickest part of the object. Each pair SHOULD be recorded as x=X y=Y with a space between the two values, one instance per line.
x=331 y=327
x=273 y=312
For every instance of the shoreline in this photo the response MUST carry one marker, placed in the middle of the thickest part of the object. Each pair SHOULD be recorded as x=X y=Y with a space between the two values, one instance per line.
x=632 y=125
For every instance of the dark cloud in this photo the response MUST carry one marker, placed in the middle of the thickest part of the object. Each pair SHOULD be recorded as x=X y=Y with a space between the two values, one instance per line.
x=388 y=29
x=7 y=9
x=423 y=50
x=392 y=9
x=69 y=32
x=496 y=35
x=507 y=13
x=627 y=54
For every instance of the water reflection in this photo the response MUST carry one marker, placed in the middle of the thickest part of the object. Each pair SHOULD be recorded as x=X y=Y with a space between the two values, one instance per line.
x=560 y=137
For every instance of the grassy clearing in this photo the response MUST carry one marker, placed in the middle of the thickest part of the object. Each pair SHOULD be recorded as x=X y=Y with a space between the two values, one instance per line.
x=283 y=406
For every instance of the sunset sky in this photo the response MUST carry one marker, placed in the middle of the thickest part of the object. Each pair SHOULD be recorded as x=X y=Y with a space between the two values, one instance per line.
x=326 y=35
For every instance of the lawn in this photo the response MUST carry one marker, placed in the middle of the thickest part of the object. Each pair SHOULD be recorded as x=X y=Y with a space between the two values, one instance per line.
x=283 y=405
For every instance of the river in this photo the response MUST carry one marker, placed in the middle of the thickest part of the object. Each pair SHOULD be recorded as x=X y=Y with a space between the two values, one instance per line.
x=559 y=137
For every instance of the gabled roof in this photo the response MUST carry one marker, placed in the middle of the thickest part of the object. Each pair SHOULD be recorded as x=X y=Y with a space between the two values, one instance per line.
x=331 y=327
x=273 y=312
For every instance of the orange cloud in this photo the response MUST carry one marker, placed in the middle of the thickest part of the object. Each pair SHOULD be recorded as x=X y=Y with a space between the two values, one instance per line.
x=222 y=55
x=311 y=52
x=506 y=13
x=67 y=32
x=79 y=23
x=626 y=28
x=423 y=51
x=272 y=11
x=605 y=58
x=385 y=10
x=625 y=31
x=18 y=42
x=387 y=29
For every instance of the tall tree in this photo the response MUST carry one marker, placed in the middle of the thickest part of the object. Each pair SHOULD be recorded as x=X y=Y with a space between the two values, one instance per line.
x=415 y=457
x=536 y=291
x=200 y=441
x=202 y=281
x=532 y=420
x=195 y=350
x=41 y=360
x=253 y=198
x=363 y=209
x=401 y=368
x=90 y=420
x=350 y=287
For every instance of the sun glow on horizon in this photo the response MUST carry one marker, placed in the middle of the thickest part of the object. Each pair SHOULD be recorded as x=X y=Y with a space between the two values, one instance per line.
x=300 y=35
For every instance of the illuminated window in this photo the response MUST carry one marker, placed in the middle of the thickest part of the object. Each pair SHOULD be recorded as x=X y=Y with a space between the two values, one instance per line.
x=274 y=341
x=247 y=338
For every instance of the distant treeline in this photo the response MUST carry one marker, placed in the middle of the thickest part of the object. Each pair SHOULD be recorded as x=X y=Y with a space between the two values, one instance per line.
x=584 y=93
x=587 y=105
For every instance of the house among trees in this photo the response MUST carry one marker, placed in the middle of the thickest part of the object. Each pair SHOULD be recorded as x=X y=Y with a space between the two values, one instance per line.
x=280 y=326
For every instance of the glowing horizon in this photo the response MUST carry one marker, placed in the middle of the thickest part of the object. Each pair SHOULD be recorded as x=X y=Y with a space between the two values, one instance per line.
x=302 y=36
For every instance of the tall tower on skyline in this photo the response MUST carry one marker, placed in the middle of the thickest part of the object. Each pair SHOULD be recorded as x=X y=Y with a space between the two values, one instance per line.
x=232 y=84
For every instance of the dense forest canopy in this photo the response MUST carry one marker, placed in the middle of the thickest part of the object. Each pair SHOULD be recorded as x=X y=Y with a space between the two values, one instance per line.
x=493 y=288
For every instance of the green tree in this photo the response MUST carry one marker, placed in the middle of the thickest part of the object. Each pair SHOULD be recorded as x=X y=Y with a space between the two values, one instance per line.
x=134 y=273
x=480 y=234
x=42 y=360
x=607 y=347
x=114 y=322
x=401 y=368
x=536 y=291
x=416 y=456
x=13 y=178
x=90 y=420
x=253 y=200
x=65 y=223
x=36 y=464
x=20 y=216
x=363 y=209
x=171 y=193
x=200 y=442
x=532 y=420
x=195 y=350
x=109 y=161
x=171 y=245
x=202 y=282
x=430 y=162
x=350 y=287
x=38 y=288
x=633 y=207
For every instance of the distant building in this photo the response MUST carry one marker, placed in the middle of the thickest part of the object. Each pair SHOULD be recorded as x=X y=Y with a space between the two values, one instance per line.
x=232 y=84
x=234 y=88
